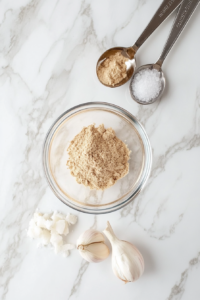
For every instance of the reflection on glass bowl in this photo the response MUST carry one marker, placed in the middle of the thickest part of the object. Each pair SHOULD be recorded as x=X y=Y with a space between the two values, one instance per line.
x=55 y=156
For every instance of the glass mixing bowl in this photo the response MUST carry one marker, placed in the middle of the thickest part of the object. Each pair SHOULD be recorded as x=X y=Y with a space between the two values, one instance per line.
x=55 y=156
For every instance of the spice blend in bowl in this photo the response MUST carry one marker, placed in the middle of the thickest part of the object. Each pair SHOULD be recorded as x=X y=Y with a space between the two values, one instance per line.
x=97 y=158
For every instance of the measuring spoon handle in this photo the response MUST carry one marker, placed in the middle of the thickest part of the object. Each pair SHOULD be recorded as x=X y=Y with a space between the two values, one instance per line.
x=165 y=9
x=185 y=12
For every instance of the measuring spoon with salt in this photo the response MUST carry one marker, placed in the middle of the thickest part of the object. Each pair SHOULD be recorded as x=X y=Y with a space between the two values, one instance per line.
x=137 y=87
x=165 y=9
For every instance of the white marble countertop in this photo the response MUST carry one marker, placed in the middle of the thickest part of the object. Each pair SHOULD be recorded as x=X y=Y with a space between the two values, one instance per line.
x=48 y=55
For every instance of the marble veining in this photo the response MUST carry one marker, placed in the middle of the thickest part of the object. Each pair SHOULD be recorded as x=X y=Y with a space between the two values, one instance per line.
x=48 y=54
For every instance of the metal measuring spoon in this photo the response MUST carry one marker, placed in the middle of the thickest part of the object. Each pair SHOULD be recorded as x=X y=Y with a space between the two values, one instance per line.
x=165 y=9
x=185 y=12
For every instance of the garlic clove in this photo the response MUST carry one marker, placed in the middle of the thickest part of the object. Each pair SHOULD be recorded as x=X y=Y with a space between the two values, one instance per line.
x=47 y=216
x=56 y=239
x=60 y=226
x=90 y=236
x=53 y=231
x=127 y=261
x=66 y=230
x=37 y=231
x=71 y=219
x=91 y=246
x=49 y=224
x=96 y=252
x=41 y=222
x=57 y=216
x=45 y=237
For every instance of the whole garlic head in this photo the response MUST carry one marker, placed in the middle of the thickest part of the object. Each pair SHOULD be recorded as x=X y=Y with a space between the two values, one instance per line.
x=92 y=247
x=127 y=261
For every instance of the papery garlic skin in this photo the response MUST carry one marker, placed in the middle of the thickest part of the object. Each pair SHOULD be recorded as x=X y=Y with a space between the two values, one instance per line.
x=92 y=247
x=127 y=261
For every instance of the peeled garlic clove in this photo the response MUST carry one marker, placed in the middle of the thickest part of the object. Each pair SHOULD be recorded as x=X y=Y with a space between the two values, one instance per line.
x=91 y=246
x=41 y=222
x=60 y=226
x=53 y=231
x=127 y=261
x=66 y=230
x=47 y=216
x=49 y=224
x=37 y=231
x=71 y=219
x=96 y=252
x=57 y=216
x=45 y=236
x=56 y=239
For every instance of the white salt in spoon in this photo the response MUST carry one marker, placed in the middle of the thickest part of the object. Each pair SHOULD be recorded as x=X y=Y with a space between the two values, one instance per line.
x=184 y=14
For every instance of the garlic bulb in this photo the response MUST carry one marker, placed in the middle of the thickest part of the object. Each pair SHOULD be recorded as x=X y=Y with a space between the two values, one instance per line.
x=127 y=261
x=92 y=247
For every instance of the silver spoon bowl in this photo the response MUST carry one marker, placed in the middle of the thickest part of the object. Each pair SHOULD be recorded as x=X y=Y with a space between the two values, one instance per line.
x=130 y=67
x=162 y=78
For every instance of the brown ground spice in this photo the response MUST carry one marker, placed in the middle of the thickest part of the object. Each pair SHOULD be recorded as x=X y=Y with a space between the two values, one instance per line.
x=97 y=158
x=113 y=69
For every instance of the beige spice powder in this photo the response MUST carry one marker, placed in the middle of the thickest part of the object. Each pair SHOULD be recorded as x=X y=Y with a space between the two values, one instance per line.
x=97 y=158
x=113 y=69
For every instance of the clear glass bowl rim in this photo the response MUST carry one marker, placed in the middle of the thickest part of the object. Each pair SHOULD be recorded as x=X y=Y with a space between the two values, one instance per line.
x=147 y=149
